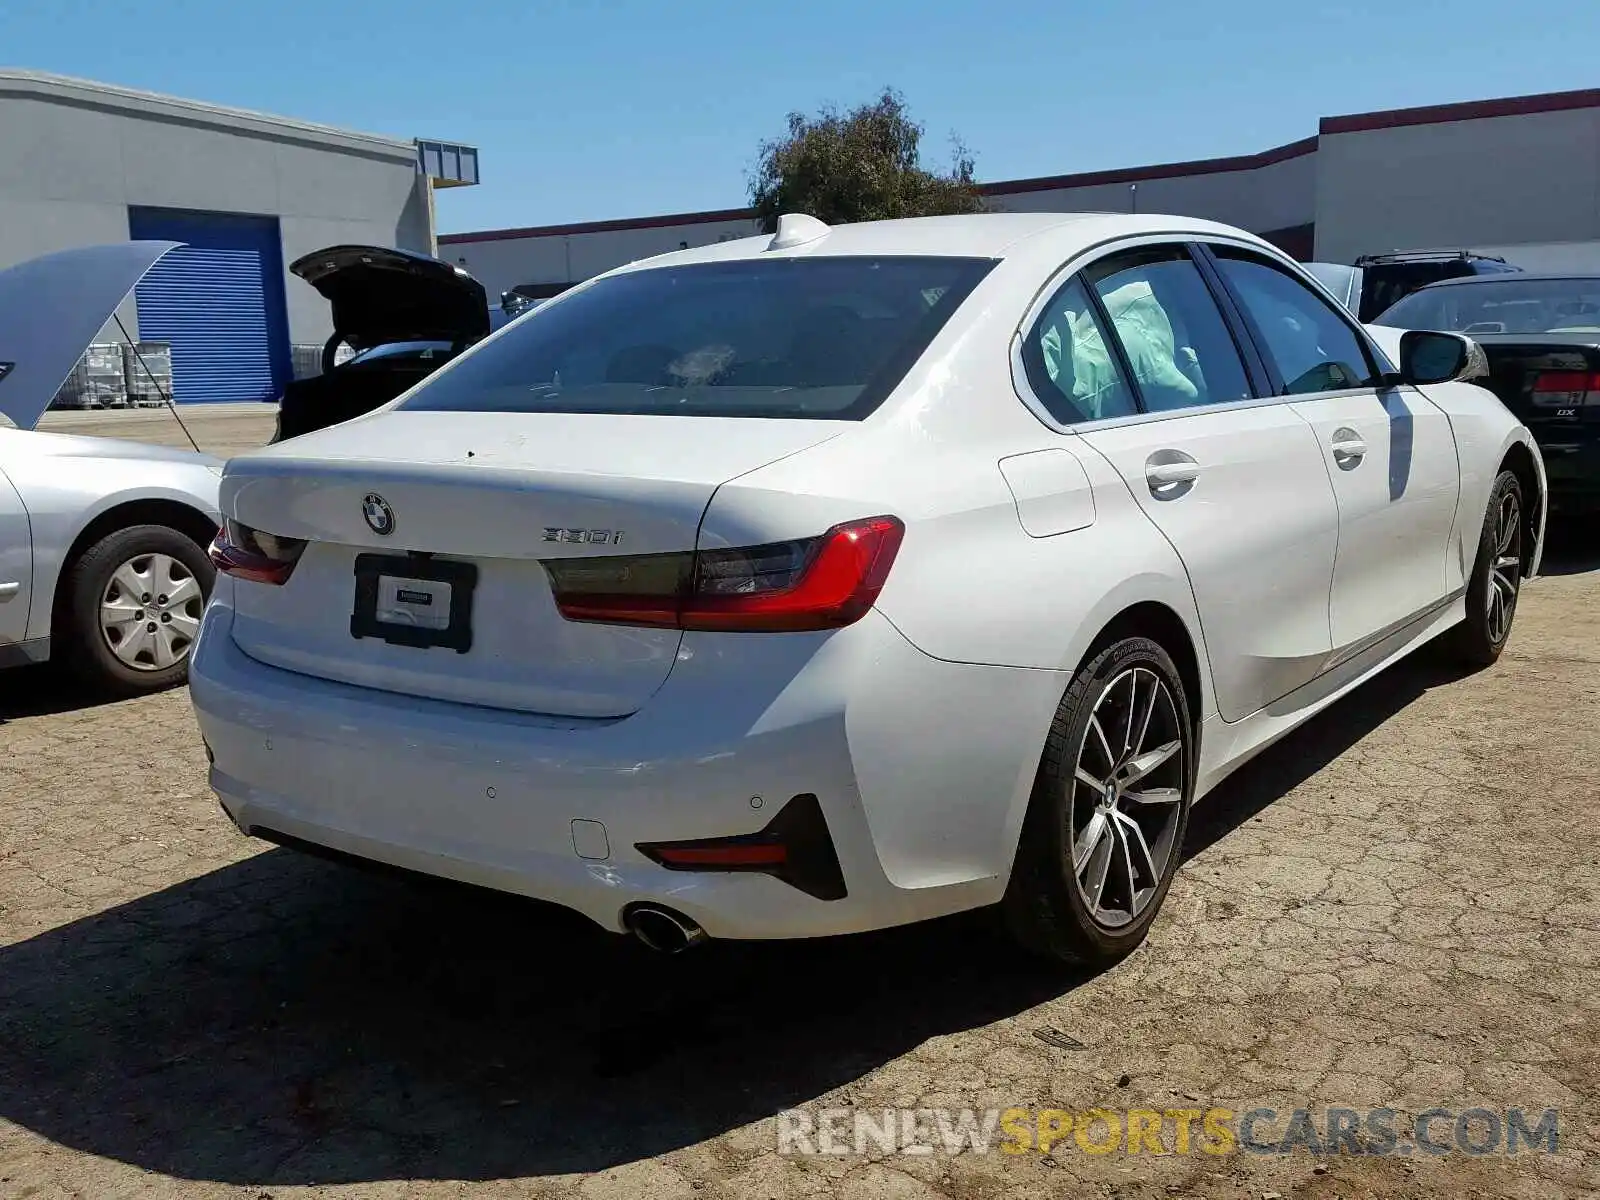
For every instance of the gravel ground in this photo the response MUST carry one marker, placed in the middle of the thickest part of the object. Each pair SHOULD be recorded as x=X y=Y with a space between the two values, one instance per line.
x=1399 y=906
x=220 y=429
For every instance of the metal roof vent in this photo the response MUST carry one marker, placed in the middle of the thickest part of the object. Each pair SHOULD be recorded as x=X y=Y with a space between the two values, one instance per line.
x=796 y=229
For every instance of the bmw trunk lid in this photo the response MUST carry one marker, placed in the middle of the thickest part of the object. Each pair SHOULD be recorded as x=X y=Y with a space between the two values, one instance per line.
x=425 y=534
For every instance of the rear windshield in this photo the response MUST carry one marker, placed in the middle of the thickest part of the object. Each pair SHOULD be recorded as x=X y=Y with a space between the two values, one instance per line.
x=825 y=338
x=1510 y=305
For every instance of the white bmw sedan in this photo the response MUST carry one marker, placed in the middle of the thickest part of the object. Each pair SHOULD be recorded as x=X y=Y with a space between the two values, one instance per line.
x=853 y=576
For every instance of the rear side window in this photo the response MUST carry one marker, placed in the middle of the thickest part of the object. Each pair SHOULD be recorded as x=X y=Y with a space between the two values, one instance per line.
x=1070 y=364
x=1312 y=346
x=1171 y=331
x=817 y=337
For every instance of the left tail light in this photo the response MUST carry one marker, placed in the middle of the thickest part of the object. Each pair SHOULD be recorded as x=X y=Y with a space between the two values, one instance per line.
x=811 y=583
x=254 y=554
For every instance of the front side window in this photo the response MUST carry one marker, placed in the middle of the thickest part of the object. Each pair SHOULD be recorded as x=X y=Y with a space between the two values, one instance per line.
x=1311 y=345
x=1170 y=329
x=821 y=337
x=1070 y=365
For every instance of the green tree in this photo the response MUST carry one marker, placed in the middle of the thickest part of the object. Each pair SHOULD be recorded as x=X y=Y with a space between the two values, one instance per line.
x=861 y=165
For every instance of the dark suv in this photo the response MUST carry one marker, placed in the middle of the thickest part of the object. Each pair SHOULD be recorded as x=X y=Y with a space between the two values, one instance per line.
x=1389 y=278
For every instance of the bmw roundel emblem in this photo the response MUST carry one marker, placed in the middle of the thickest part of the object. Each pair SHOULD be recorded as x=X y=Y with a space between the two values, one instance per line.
x=380 y=517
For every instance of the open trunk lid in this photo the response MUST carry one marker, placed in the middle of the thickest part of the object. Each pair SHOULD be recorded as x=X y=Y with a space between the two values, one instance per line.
x=444 y=517
x=380 y=296
x=51 y=308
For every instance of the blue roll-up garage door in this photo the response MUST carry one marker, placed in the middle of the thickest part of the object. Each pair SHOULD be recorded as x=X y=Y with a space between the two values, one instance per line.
x=219 y=301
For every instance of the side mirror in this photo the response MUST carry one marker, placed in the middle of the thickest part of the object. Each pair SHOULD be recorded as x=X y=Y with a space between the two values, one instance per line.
x=1429 y=357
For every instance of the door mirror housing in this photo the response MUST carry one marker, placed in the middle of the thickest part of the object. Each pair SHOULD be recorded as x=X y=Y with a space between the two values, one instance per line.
x=1430 y=357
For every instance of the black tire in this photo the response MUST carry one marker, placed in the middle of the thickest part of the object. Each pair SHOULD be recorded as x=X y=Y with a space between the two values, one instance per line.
x=1046 y=907
x=79 y=640
x=1478 y=640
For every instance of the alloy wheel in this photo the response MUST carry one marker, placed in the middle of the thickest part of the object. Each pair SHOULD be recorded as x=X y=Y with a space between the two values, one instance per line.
x=1505 y=568
x=150 y=612
x=1127 y=796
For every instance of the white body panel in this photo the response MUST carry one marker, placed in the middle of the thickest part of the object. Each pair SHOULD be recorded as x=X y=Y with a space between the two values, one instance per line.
x=488 y=486
x=1392 y=459
x=918 y=727
x=1257 y=519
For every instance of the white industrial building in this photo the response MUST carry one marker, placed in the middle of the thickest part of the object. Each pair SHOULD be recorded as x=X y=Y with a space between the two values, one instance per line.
x=1518 y=177
x=248 y=193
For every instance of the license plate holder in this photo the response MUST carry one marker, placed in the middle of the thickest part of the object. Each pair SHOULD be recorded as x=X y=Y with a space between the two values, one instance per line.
x=414 y=601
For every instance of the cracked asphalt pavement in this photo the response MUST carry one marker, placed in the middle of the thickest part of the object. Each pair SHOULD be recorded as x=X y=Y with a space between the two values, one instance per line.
x=1398 y=906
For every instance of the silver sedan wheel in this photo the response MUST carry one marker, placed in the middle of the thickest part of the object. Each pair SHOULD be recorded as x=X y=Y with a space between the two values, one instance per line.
x=1127 y=796
x=1505 y=568
x=150 y=612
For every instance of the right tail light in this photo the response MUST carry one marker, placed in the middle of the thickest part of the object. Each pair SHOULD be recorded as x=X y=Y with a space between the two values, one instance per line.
x=812 y=583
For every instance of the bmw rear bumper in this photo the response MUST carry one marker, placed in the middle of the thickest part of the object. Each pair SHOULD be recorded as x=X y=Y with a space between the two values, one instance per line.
x=922 y=769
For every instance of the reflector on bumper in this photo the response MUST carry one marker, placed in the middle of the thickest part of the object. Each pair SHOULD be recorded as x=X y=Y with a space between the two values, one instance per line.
x=795 y=846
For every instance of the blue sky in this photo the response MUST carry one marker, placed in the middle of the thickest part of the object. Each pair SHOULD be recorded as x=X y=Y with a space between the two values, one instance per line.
x=616 y=108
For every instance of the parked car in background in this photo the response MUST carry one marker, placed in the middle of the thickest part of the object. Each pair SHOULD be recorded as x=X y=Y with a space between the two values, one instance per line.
x=1388 y=278
x=847 y=577
x=102 y=542
x=1541 y=334
x=1377 y=281
x=397 y=317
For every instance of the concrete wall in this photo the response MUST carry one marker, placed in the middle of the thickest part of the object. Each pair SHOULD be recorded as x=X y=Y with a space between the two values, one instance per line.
x=74 y=156
x=1265 y=192
x=572 y=254
x=1520 y=175
x=1502 y=181
x=1272 y=195
x=1553 y=257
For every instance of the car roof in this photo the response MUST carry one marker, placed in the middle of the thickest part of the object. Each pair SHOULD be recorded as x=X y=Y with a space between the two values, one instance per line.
x=977 y=235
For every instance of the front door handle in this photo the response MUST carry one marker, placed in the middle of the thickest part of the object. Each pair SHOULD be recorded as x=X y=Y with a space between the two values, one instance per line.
x=1348 y=448
x=1170 y=474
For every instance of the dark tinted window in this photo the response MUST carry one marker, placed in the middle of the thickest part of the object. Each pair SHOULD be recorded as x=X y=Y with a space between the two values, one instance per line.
x=1170 y=329
x=819 y=337
x=1305 y=337
x=1508 y=304
x=1070 y=365
x=1387 y=283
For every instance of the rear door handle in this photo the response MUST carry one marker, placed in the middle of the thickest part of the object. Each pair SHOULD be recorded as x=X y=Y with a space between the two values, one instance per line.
x=1348 y=448
x=8 y=590
x=1169 y=478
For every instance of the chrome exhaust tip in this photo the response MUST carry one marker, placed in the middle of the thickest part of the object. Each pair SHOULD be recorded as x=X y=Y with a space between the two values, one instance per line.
x=663 y=930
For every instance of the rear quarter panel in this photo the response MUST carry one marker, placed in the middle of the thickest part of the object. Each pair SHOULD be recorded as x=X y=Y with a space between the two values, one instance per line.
x=949 y=756
x=970 y=583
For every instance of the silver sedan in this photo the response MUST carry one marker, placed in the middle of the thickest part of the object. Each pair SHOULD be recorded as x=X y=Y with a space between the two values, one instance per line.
x=102 y=542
